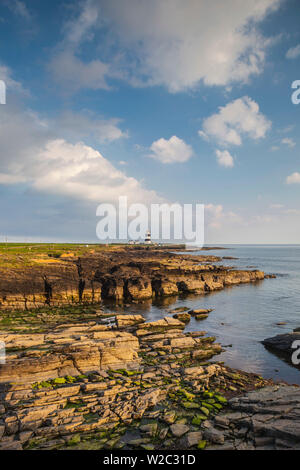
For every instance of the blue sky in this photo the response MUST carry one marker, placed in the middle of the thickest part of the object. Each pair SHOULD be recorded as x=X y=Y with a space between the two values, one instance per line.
x=162 y=101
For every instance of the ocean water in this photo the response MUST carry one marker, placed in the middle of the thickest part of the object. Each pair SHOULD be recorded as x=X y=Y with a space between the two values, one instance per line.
x=246 y=314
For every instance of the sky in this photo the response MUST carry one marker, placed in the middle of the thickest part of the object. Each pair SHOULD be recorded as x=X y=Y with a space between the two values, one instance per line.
x=162 y=101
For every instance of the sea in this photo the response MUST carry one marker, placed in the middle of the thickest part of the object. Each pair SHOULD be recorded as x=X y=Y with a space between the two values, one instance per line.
x=246 y=314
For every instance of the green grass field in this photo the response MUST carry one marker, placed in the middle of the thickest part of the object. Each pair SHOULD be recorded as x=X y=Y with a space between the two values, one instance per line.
x=18 y=255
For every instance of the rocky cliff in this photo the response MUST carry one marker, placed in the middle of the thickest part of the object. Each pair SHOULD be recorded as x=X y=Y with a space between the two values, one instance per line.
x=124 y=274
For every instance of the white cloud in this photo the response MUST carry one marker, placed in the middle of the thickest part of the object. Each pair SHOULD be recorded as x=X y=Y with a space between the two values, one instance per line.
x=67 y=68
x=289 y=142
x=86 y=124
x=214 y=214
x=79 y=28
x=238 y=118
x=294 y=178
x=6 y=76
x=224 y=158
x=79 y=171
x=6 y=178
x=174 y=150
x=56 y=166
x=171 y=43
x=293 y=52
x=203 y=135
x=216 y=217
x=250 y=225
x=178 y=47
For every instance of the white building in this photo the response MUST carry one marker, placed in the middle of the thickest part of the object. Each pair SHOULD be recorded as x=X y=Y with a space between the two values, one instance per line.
x=148 y=238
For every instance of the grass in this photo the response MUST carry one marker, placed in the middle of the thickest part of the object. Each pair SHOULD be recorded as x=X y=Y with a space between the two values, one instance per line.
x=20 y=255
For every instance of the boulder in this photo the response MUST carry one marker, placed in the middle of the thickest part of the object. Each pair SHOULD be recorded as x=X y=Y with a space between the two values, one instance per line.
x=213 y=435
x=282 y=343
x=200 y=311
x=124 y=321
x=191 y=439
x=179 y=430
x=183 y=317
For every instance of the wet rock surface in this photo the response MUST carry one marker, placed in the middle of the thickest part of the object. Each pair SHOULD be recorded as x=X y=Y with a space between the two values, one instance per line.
x=91 y=386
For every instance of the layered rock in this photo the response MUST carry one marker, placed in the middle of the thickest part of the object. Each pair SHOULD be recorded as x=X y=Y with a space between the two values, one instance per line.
x=267 y=419
x=124 y=274
x=96 y=411
x=85 y=385
x=77 y=349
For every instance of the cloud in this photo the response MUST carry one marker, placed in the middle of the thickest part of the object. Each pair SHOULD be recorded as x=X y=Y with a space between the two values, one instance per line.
x=68 y=69
x=7 y=76
x=55 y=166
x=293 y=52
x=216 y=216
x=79 y=171
x=224 y=158
x=19 y=8
x=250 y=225
x=289 y=142
x=177 y=47
x=174 y=150
x=72 y=73
x=79 y=28
x=283 y=210
x=87 y=125
x=170 y=43
x=294 y=178
x=287 y=129
x=235 y=120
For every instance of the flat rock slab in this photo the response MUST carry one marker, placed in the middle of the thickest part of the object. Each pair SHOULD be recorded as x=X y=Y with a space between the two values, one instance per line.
x=265 y=419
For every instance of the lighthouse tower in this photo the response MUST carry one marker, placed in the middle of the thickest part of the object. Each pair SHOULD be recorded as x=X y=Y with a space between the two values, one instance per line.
x=148 y=238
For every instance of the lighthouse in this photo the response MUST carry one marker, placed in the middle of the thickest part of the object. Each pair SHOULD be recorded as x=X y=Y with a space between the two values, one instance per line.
x=148 y=237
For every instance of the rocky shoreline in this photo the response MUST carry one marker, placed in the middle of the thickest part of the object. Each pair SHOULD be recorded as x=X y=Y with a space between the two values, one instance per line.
x=79 y=377
x=120 y=274
x=131 y=384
